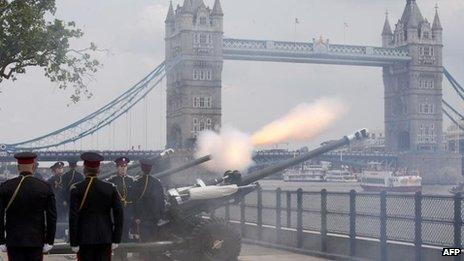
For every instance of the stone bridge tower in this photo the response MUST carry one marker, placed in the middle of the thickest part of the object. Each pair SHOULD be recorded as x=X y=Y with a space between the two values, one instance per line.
x=413 y=92
x=194 y=35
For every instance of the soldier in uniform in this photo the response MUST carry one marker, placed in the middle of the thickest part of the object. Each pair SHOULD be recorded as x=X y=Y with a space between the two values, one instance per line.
x=149 y=205
x=37 y=173
x=69 y=178
x=56 y=182
x=27 y=213
x=95 y=214
x=124 y=185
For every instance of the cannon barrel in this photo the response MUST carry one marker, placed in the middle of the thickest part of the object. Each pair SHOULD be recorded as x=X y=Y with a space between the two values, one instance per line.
x=185 y=166
x=257 y=175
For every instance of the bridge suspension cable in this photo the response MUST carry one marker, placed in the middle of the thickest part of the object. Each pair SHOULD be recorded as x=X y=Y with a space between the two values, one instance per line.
x=460 y=91
x=456 y=86
x=99 y=119
x=453 y=119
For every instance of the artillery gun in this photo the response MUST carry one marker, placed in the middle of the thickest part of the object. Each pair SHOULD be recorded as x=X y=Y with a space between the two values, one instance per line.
x=214 y=239
x=185 y=235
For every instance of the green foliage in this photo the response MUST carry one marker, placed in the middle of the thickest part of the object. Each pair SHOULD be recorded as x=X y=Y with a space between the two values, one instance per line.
x=30 y=36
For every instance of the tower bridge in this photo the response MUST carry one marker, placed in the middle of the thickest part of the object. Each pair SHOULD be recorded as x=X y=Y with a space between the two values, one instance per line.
x=195 y=49
x=320 y=51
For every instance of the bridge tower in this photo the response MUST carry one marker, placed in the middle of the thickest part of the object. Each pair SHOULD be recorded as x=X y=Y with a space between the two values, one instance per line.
x=194 y=35
x=413 y=91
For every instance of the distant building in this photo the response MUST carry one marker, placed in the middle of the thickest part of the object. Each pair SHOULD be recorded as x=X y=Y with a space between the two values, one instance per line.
x=375 y=143
x=194 y=37
x=454 y=139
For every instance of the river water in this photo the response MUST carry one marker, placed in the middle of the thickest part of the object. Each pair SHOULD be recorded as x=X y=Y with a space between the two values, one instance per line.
x=340 y=187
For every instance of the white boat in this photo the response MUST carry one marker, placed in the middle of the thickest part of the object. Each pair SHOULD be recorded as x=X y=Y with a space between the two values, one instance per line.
x=341 y=175
x=376 y=178
x=307 y=173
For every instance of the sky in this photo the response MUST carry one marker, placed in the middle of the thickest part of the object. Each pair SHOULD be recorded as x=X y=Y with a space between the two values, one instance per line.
x=254 y=93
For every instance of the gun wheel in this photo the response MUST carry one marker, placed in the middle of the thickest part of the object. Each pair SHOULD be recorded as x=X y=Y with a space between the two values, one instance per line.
x=214 y=240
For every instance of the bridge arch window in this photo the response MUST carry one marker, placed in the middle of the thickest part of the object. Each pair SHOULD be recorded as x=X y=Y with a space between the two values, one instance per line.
x=202 y=39
x=426 y=50
x=200 y=124
x=203 y=20
x=427 y=134
x=404 y=140
x=427 y=108
x=202 y=74
x=426 y=83
x=202 y=102
x=196 y=125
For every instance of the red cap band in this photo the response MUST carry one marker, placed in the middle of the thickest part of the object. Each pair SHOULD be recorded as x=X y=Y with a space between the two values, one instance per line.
x=26 y=161
x=91 y=164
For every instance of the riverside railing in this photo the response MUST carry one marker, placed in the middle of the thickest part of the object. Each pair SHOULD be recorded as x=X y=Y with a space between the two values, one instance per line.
x=416 y=220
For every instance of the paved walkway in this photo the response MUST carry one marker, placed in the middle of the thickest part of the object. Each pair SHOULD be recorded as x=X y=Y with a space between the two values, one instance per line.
x=257 y=253
x=249 y=253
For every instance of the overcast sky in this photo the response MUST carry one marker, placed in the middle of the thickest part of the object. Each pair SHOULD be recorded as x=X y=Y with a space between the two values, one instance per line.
x=254 y=93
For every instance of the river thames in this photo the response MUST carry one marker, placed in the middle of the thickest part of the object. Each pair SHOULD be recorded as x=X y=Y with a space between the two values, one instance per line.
x=340 y=187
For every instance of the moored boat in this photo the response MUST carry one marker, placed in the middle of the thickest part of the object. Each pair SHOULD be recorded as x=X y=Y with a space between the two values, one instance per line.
x=376 y=178
x=343 y=175
x=307 y=173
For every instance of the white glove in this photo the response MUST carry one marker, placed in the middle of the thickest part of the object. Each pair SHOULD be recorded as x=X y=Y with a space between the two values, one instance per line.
x=46 y=248
x=3 y=248
x=114 y=246
x=75 y=249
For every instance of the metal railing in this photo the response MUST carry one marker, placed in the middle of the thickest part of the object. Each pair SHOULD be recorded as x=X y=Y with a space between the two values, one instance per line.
x=415 y=219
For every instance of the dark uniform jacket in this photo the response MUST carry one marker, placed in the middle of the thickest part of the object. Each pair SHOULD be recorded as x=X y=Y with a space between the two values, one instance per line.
x=93 y=224
x=31 y=218
x=38 y=175
x=68 y=179
x=56 y=183
x=124 y=186
x=149 y=198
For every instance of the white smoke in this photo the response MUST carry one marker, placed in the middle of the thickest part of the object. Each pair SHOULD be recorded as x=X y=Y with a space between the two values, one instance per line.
x=232 y=150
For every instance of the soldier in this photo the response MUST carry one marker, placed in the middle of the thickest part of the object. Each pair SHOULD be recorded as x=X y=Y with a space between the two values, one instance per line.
x=69 y=178
x=149 y=205
x=95 y=214
x=27 y=206
x=124 y=185
x=37 y=173
x=56 y=182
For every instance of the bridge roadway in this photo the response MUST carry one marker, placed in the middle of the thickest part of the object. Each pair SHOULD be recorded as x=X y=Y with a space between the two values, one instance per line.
x=249 y=253
x=261 y=157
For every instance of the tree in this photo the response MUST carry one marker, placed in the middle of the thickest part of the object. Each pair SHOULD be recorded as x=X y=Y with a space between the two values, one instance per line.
x=31 y=36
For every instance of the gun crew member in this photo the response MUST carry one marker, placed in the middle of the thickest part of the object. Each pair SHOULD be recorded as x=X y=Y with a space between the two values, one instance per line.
x=37 y=173
x=124 y=185
x=95 y=214
x=149 y=204
x=27 y=213
x=69 y=178
x=56 y=182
